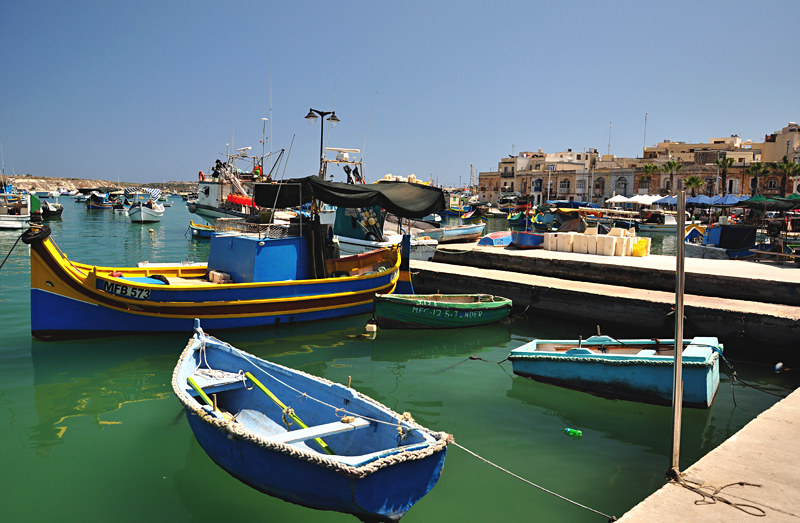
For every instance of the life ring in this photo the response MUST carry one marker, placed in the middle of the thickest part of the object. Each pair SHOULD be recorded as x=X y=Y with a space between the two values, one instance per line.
x=201 y=176
x=35 y=235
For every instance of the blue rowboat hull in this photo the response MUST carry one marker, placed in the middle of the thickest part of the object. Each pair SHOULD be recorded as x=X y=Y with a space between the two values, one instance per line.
x=642 y=377
x=496 y=239
x=369 y=473
x=527 y=240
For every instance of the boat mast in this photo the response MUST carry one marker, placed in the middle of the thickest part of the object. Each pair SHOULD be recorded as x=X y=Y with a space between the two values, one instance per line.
x=677 y=382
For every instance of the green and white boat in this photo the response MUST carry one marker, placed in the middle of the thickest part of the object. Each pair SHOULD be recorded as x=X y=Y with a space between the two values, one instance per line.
x=438 y=311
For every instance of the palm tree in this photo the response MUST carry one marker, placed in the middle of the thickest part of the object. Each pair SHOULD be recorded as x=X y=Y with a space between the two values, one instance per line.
x=755 y=170
x=724 y=164
x=693 y=182
x=649 y=171
x=671 y=167
x=787 y=169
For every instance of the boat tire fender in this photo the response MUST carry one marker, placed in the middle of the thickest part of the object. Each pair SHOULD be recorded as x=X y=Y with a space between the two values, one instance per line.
x=35 y=235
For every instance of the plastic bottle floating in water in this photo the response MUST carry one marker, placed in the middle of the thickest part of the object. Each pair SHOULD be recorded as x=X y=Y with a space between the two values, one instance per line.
x=572 y=432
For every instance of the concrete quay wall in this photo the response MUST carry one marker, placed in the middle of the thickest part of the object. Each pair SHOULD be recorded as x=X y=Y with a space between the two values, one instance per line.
x=615 y=304
x=737 y=280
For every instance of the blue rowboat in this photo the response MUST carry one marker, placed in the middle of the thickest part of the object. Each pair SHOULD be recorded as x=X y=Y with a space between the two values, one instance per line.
x=527 y=240
x=334 y=450
x=250 y=280
x=496 y=239
x=636 y=370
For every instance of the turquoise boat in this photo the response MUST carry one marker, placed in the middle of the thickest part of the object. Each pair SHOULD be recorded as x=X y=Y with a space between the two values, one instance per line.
x=455 y=233
x=516 y=218
x=438 y=311
x=635 y=370
x=328 y=447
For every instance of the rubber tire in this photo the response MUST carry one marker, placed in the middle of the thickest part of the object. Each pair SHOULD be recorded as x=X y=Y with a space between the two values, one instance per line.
x=30 y=236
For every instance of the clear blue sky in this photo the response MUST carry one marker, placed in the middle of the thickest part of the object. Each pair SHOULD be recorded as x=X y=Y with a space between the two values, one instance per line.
x=151 y=88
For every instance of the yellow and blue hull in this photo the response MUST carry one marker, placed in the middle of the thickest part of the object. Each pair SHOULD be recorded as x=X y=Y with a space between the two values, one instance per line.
x=72 y=300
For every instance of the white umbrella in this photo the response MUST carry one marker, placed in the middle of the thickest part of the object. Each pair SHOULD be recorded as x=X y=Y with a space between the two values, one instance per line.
x=618 y=199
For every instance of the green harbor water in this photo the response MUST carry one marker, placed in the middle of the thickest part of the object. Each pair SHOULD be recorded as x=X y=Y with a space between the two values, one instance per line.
x=90 y=430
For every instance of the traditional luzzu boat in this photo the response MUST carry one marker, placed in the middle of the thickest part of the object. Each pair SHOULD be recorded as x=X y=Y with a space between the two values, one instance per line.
x=98 y=200
x=336 y=450
x=516 y=218
x=201 y=231
x=256 y=275
x=438 y=311
x=636 y=370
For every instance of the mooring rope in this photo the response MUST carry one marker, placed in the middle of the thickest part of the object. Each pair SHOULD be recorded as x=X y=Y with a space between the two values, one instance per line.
x=12 y=250
x=610 y=518
x=714 y=496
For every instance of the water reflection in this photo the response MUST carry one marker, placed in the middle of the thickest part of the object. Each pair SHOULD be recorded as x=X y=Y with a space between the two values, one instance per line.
x=93 y=378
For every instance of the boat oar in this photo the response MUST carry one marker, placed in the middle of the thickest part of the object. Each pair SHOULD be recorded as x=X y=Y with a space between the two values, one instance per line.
x=202 y=394
x=291 y=413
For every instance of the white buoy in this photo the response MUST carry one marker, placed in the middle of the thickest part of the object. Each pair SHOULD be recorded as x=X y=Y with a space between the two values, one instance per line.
x=371 y=327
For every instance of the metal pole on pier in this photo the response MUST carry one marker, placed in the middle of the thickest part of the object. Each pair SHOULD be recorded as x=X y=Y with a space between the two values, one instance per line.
x=677 y=381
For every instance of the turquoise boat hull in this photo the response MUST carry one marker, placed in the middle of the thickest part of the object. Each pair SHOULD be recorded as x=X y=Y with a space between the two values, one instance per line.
x=371 y=471
x=438 y=311
x=635 y=372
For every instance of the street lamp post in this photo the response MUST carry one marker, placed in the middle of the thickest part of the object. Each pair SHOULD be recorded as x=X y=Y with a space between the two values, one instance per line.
x=311 y=118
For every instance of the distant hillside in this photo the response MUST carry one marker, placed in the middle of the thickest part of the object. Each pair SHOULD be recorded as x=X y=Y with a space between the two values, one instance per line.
x=46 y=183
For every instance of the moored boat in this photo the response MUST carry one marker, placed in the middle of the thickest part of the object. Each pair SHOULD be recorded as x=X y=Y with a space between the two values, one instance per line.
x=438 y=311
x=527 y=240
x=636 y=370
x=201 y=231
x=456 y=233
x=516 y=218
x=346 y=452
x=15 y=210
x=99 y=201
x=251 y=279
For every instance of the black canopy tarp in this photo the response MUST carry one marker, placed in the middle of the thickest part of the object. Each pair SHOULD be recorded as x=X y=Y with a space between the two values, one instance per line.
x=407 y=200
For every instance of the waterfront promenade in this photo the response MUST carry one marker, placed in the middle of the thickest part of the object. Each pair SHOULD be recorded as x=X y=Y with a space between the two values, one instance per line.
x=763 y=453
x=627 y=291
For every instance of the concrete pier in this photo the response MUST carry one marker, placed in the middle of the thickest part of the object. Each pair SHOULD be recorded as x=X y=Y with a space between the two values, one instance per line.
x=762 y=453
x=614 y=302
x=734 y=279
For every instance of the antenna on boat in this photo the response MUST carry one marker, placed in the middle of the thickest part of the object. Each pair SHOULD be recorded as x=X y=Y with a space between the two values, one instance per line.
x=367 y=135
x=270 y=112
x=677 y=382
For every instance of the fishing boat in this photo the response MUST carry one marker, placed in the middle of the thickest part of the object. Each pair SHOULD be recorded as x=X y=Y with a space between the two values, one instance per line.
x=720 y=241
x=97 y=200
x=516 y=218
x=15 y=211
x=256 y=275
x=335 y=450
x=438 y=311
x=201 y=231
x=145 y=212
x=51 y=210
x=456 y=233
x=637 y=370
x=527 y=240
x=362 y=229
x=473 y=216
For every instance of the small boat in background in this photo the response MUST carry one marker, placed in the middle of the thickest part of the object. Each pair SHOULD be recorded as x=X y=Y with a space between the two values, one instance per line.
x=438 y=311
x=527 y=240
x=474 y=216
x=455 y=233
x=99 y=201
x=201 y=231
x=335 y=450
x=516 y=218
x=15 y=210
x=51 y=210
x=635 y=370
x=496 y=239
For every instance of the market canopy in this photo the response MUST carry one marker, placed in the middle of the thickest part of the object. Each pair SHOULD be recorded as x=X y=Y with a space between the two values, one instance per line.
x=667 y=200
x=764 y=204
x=618 y=199
x=403 y=199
